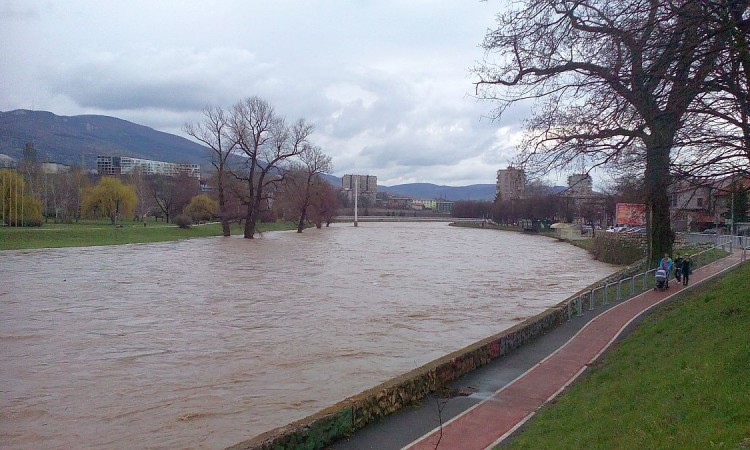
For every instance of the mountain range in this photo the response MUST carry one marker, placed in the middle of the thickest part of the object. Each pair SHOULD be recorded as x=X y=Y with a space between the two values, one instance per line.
x=80 y=139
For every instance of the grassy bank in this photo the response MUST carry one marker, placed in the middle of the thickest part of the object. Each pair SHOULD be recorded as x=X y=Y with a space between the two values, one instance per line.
x=92 y=233
x=681 y=380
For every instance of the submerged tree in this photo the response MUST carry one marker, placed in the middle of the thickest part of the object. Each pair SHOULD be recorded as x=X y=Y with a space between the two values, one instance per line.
x=314 y=163
x=215 y=132
x=607 y=76
x=267 y=142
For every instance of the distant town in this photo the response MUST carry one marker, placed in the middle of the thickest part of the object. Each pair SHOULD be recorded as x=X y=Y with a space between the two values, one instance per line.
x=693 y=208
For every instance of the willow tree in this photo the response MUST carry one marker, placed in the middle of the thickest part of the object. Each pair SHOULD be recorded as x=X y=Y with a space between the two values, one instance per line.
x=606 y=77
x=109 y=198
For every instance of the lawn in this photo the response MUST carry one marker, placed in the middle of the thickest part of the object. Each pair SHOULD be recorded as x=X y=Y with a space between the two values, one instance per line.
x=91 y=233
x=680 y=380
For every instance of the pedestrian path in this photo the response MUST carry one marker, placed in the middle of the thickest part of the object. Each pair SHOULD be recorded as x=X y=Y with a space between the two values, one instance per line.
x=489 y=422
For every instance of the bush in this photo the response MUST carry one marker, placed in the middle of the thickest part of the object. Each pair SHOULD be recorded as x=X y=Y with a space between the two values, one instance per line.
x=201 y=207
x=619 y=248
x=182 y=221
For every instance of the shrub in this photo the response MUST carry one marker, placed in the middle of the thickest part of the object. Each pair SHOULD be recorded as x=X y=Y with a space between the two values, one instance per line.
x=182 y=221
x=201 y=207
x=619 y=248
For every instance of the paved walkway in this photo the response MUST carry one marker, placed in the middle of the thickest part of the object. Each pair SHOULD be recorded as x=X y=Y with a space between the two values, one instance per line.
x=486 y=422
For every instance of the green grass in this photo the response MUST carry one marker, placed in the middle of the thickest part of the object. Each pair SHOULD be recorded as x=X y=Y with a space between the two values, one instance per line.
x=92 y=233
x=680 y=381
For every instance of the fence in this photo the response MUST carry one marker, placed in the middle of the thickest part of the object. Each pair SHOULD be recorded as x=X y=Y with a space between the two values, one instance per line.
x=636 y=284
x=717 y=240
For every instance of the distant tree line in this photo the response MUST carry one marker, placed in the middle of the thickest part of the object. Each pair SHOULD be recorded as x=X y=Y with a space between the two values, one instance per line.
x=265 y=170
x=541 y=203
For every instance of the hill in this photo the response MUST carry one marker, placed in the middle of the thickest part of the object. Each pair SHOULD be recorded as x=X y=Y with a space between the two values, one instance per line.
x=73 y=139
x=70 y=139
x=453 y=193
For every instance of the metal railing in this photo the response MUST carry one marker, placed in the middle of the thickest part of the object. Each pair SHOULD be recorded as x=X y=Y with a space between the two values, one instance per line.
x=628 y=287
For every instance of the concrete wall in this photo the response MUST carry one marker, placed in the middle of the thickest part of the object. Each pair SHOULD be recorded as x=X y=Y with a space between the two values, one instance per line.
x=324 y=427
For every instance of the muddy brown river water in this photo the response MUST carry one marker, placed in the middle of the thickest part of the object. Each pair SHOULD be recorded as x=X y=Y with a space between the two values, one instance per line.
x=208 y=342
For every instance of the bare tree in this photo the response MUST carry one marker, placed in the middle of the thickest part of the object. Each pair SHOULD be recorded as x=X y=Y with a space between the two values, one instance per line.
x=172 y=194
x=325 y=203
x=267 y=142
x=715 y=141
x=137 y=180
x=314 y=163
x=215 y=132
x=606 y=75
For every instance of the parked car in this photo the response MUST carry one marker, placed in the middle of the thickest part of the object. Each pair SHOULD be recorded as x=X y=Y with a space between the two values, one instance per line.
x=711 y=231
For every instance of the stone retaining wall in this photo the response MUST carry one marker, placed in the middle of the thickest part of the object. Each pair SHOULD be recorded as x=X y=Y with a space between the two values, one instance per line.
x=342 y=419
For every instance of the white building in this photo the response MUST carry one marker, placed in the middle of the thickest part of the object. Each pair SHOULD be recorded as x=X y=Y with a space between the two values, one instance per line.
x=119 y=165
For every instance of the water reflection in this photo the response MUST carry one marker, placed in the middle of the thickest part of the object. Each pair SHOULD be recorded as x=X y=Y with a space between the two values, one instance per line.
x=204 y=343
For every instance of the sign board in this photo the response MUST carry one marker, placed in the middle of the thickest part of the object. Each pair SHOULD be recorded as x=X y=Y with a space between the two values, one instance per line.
x=631 y=214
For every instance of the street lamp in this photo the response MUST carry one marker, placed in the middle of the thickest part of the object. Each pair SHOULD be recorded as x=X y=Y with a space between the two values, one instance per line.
x=356 y=197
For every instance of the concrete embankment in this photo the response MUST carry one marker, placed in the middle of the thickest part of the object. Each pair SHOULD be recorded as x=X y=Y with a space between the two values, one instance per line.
x=343 y=418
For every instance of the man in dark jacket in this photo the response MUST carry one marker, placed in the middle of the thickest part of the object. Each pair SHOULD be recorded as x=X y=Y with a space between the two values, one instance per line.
x=678 y=268
x=686 y=270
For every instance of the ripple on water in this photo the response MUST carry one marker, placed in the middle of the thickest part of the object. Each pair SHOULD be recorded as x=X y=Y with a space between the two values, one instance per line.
x=207 y=342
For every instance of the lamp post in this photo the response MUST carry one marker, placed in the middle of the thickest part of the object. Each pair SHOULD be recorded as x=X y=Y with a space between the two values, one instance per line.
x=732 y=224
x=356 y=198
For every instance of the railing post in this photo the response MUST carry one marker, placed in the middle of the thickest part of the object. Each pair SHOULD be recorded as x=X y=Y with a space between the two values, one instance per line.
x=619 y=290
x=605 y=297
x=591 y=300
x=632 y=285
x=579 y=306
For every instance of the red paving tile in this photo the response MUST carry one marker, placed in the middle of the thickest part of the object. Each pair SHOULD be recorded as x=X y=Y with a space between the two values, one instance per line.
x=490 y=421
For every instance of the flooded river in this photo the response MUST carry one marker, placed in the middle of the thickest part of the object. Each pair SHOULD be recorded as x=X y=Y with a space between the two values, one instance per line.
x=207 y=342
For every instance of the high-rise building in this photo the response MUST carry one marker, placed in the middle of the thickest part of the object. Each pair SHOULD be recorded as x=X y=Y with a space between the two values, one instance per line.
x=367 y=185
x=580 y=184
x=511 y=183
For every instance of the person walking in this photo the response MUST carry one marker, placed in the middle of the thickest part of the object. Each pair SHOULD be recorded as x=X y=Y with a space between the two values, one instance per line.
x=678 y=268
x=686 y=270
x=666 y=264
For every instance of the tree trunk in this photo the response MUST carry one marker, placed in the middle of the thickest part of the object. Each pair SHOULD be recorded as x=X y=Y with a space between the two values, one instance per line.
x=252 y=207
x=305 y=204
x=250 y=221
x=660 y=235
x=301 y=224
x=223 y=209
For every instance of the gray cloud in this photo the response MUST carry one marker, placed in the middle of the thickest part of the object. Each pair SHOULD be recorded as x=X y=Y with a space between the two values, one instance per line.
x=384 y=82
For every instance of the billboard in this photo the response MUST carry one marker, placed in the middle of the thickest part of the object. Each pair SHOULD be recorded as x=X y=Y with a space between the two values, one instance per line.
x=631 y=214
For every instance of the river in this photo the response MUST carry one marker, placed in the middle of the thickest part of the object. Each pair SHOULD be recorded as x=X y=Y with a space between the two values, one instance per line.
x=204 y=343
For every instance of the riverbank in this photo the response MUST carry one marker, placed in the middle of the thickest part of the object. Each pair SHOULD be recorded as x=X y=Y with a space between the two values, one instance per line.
x=680 y=380
x=96 y=233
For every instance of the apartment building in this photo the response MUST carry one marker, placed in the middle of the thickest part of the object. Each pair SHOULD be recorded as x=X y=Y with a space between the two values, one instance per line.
x=366 y=186
x=511 y=183
x=122 y=165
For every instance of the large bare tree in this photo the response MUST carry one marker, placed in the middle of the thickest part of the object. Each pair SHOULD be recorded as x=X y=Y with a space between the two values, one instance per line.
x=215 y=132
x=267 y=143
x=715 y=141
x=607 y=76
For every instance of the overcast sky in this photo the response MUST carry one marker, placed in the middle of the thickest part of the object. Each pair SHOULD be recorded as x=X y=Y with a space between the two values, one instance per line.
x=386 y=83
